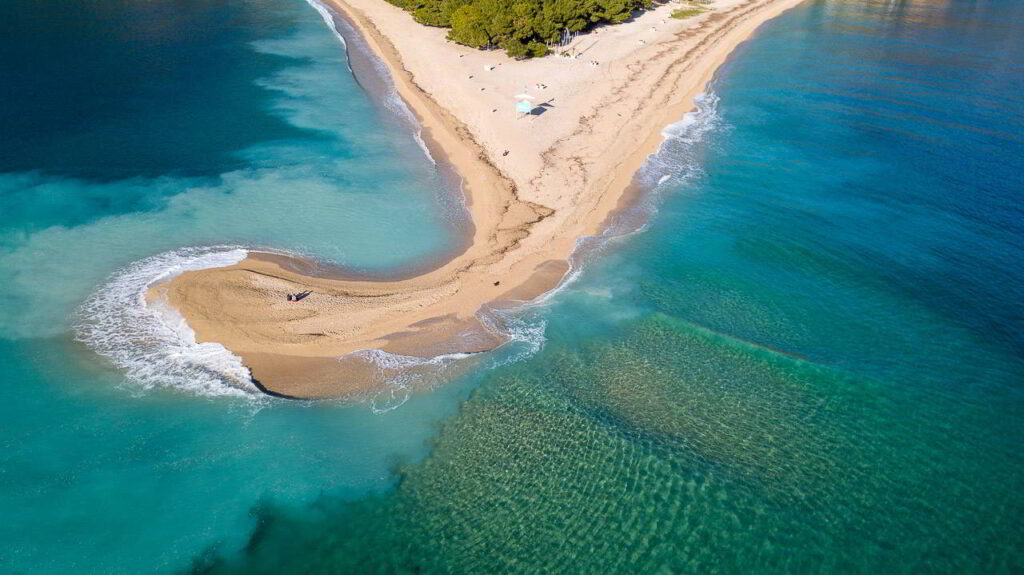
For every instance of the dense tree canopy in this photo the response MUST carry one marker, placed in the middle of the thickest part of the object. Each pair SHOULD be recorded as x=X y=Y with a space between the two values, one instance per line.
x=523 y=28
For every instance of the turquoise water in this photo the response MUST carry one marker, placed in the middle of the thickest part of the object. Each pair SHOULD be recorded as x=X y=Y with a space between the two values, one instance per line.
x=809 y=360
x=131 y=130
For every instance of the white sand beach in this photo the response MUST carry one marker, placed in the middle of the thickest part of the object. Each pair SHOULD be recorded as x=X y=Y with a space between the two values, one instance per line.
x=565 y=170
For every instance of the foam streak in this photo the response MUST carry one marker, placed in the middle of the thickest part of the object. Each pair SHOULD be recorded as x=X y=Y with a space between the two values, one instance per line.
x=152 y=342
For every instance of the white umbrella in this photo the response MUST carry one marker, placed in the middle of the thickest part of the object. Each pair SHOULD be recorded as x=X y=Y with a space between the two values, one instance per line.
x=523 y=97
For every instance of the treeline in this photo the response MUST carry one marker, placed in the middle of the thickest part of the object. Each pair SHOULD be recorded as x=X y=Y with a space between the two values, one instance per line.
x=523 y=28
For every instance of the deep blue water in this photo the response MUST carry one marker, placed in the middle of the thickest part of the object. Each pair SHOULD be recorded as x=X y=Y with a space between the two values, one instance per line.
x=112 y=90
x=811 y=360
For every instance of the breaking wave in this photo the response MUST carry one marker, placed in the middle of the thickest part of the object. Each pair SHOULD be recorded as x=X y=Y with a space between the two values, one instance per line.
x=523 y=336
x=150 y=341
x=328 y=18
x=403 y=374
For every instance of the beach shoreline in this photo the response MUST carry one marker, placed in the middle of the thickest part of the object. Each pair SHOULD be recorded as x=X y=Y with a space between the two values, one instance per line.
x=570 y=168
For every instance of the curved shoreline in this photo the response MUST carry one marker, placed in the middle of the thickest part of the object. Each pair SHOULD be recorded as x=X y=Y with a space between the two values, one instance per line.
x=525 y=226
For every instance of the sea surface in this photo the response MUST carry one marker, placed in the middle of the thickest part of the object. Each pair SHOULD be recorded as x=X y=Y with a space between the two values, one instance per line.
x=807 y=358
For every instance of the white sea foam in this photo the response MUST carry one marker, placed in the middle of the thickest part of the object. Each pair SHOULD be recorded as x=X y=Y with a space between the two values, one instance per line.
x=403 y=374
x=418 y=136
x=393 y=101
x=676 y=158
x=525 y=331
x=152 y=342
x=397 y=106
x=523 y=336
x=328 y=17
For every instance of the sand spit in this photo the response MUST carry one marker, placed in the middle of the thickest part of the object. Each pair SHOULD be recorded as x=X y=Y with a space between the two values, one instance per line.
x=566 y=170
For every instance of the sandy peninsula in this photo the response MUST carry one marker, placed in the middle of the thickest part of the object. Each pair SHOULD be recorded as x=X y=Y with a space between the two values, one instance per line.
x=565 y=171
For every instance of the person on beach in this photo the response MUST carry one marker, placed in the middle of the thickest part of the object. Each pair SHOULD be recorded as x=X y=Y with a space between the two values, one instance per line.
x=299 y=296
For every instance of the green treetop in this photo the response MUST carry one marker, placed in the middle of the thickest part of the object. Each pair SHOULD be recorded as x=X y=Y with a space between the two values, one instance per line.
x=523 y=28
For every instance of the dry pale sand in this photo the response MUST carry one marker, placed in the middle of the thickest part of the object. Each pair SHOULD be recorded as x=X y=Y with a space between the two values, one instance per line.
x=566 y=171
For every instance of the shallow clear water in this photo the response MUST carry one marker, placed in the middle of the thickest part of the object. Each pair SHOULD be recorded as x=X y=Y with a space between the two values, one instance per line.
x=810 y=360
x=129 y=129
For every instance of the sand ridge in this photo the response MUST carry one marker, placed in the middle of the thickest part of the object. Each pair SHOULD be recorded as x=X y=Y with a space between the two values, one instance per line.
x=565 y=171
